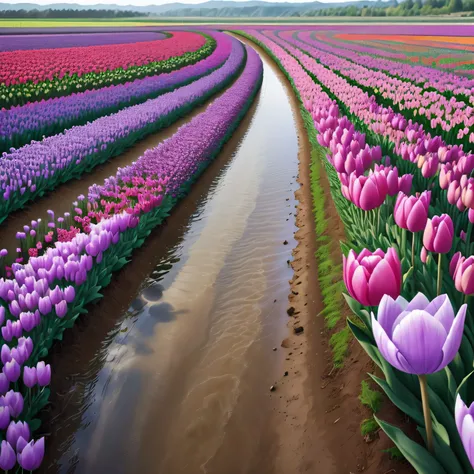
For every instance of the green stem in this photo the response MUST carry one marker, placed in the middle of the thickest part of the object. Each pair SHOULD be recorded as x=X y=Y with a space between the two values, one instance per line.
x=438 y=287
x=426 y=412
x=466 y=299
x=468 y=238
x=413 y=240
x=379 y=211
x=404 y=243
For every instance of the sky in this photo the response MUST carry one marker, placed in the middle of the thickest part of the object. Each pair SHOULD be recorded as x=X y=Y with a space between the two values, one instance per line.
x=138 y=2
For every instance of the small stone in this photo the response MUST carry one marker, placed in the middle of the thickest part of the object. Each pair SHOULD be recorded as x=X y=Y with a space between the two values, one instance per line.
x=286 y=374
x=272 y=388
x=286 y=343
x=285 y=242
x=274 y=348
x=291 y=311
x=298 y=329
x=295 y=292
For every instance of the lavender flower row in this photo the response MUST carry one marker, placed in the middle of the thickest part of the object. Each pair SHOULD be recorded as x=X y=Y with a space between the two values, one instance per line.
x=31 y=170
x=47 y=294
x=450 y=116
x=430 y=77
x=45 y=41
x=22 y=124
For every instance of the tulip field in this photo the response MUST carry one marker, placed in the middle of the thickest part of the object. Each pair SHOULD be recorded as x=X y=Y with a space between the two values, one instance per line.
x=393 y=134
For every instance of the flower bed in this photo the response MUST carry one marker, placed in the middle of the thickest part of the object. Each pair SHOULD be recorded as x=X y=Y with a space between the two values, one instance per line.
x=182 y=49
x=36 y=120
x=59 y=284
x=28 y=172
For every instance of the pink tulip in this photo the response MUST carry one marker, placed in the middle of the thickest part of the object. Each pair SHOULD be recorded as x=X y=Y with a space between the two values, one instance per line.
x=368 y=276
x=366 y=192
x=439 y=233
x=411 y=212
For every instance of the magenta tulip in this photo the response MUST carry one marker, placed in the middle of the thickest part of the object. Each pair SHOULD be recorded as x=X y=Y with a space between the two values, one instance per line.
x=439 y=234
x=411 y=212
x=368 y=276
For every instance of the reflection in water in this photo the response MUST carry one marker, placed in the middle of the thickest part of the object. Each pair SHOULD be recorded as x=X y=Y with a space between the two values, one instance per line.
x=180 y=376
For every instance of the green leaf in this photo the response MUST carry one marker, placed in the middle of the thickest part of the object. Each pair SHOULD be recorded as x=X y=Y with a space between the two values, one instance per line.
x=416 y=455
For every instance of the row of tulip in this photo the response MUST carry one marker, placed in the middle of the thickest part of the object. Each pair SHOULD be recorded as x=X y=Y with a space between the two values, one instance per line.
x=21 y=124
x=443 y=81
x=405 y=316
x=46 y=295
x=37 y=65
x=189 y=48
x=72 y=40
x=404 y=141
x=451 y=118
x=28 y=172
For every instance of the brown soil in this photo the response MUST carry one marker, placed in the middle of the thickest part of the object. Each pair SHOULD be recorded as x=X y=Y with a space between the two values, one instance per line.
x=318 y=412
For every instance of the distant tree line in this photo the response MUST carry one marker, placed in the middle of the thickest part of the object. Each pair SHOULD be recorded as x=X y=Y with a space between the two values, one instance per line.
x=406 y=8
x=70 y=13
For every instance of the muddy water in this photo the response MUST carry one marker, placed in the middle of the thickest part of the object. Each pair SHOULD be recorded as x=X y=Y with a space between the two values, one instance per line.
x=171 y=372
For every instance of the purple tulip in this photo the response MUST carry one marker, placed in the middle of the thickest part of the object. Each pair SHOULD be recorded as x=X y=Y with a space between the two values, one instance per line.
x=368 y=276
x=411 y=212
x=29 y=377
x=61 y=309
x=69 y=294
x=418 y=337
x=32 y=455
x=28 y=321
x=2 y=315
x=5 y=354
x=43 y=373
x=4 y=417
x=21 y=444
x=439 y=234
x=45 y=305
x=465 y=425
x=7 y=456
x=15 y=401
x=12 y=370
x=4 y=383
x=15 y=430
x=56 y=295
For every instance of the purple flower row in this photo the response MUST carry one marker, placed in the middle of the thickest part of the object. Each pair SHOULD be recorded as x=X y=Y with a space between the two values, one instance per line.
x=449 y=114
x=36 y=167
x=21 y=124
x=47 y=41
x=51 y=288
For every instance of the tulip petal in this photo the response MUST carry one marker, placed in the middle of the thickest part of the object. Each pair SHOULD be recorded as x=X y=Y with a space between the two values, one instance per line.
x=467 y=437
x=442 y=310
x=386 y=347
x=382 y=282
x=360 y=286
x=453 y=341
x=420 y=339
x=420 y=301
x=388 y=312
x=460 y=412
